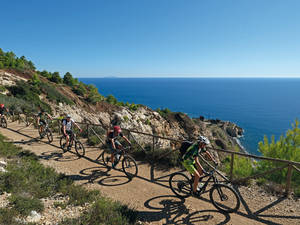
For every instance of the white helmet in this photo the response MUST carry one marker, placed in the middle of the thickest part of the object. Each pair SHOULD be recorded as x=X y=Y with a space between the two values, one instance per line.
x=68 y=116
x=204 y=140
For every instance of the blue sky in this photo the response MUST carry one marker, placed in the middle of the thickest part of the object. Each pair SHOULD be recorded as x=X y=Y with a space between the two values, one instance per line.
x=153 y=38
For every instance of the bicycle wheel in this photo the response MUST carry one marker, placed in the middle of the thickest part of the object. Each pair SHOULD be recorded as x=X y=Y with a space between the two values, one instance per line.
x=49 y=135
x=106 y=158
x=129 y=166
x=180 y=185
x=224 y=198
x=3 y=123
x=79 y=148
x=63 y=143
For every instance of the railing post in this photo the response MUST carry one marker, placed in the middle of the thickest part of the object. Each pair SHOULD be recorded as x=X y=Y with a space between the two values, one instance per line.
x=153 y=143
x=288 y=180
x=231 y=167
x=59 y=129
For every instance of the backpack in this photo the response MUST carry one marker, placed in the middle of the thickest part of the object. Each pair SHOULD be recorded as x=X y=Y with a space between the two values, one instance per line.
x=184 y=146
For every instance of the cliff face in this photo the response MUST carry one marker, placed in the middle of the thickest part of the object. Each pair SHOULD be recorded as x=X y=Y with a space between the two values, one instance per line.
x=144 y=119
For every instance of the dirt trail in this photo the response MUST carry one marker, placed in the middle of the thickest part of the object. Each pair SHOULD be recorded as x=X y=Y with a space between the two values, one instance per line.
x=149 y=192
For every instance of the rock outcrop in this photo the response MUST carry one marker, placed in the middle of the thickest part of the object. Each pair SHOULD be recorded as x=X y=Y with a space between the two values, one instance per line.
x=173 y=125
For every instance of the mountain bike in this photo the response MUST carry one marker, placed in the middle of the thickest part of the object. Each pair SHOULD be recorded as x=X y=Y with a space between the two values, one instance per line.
x=79 y=148
x=3 y=121
x=44 y=130
x=222 y=196
x=129 y=165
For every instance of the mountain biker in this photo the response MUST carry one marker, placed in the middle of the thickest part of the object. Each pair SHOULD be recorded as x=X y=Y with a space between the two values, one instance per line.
x=67 y=129
x=190 y=158
x=41 y=119
x=114 y=144
x=3 y=109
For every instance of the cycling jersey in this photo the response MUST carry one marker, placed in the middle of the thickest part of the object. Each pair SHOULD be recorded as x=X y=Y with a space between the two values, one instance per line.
x=68 y=124
x=111 y=135
x=2 y=110
x=192 y=151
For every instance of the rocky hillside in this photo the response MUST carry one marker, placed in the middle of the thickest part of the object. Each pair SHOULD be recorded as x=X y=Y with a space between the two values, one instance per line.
x=164 y=123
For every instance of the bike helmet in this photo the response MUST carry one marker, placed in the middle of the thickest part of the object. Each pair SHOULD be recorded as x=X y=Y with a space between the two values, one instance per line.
x=68 y=116
x=1 y=105
x=117 y=129
x=204 y=140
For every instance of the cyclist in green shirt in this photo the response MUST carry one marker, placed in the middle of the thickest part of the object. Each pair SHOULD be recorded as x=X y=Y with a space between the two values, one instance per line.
x=190 y=158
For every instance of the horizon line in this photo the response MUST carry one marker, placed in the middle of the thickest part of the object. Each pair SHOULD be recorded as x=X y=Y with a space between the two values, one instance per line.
x=215 y=77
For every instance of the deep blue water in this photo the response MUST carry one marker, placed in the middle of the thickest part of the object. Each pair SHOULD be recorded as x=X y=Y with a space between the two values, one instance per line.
x=260 y=106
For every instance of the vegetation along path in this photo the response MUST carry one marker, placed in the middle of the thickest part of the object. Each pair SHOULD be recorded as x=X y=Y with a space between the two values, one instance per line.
x=149 y=192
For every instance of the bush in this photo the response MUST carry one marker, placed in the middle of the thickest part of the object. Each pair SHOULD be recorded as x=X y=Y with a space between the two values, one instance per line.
x=111 y=99
x=56 y=78
x=9 y=60
x=93 y=140
x=164 y=112
x=8 y=216
x=287 y=147
x=78 y=195
x=69 y=80
x=53 y=95
x=105 y=211
x=24 y=205
x=28 y=93
x=242 y=167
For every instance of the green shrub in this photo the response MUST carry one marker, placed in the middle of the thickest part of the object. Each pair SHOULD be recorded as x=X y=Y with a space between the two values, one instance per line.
x=147 y=122
x=28 y=93
x=2 y=88
x=287 y=147
x=125 y=118
x=69 y=80
x=24 y=205
x=164 y=112
x=9 y=60
x=78 y=195
x=105 y=211
x=62 y=205
x=111 y=99
x=56 y=78
x=8 y=216
x=53 y=95
x=242 y=167
x=93 y=140
x=133 y=107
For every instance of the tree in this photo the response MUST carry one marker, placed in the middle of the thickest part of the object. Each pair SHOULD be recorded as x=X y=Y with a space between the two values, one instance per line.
x=68 y=79
x=56 y=78
x=46 y=74
x=287 y=147
x=35 y=80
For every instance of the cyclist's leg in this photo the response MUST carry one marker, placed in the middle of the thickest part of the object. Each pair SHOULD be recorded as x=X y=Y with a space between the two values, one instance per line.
x=189 y=166
x=42 y=124
x=68 y=137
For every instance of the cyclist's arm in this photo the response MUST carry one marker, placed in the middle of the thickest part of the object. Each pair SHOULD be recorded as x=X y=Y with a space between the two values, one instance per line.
x=50 y=117
x=210 y=157
x=113 y=143
x=126 y=139
x=77 y=126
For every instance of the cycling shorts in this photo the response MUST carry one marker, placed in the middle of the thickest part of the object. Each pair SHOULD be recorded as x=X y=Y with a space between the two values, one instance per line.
x=189 y=165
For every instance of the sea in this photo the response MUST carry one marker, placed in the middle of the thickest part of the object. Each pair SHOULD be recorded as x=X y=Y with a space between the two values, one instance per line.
x=261 y=106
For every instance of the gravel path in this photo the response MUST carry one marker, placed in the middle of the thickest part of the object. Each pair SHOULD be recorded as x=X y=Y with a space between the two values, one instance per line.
x=149 y=193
